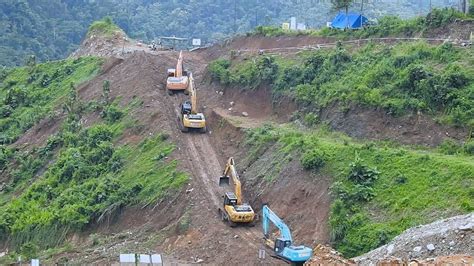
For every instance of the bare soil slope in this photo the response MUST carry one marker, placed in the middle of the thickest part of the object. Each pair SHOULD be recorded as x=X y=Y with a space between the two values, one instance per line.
x=186 y=227
x=159 y=228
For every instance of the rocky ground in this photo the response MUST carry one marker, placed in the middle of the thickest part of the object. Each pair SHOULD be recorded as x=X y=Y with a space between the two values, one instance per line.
x=442 y=238
x=324 y=255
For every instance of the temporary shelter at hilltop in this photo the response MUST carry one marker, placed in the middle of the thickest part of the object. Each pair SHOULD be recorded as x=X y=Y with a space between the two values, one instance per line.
x=349 y=21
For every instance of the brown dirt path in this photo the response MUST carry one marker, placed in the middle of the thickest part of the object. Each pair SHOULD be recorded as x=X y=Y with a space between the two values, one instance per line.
x=199 y=156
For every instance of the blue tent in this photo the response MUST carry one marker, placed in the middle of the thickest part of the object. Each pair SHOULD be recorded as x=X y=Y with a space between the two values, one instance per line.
x=349 y=21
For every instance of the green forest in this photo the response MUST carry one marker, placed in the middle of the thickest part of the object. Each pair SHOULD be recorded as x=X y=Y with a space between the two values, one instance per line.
x=53 y=29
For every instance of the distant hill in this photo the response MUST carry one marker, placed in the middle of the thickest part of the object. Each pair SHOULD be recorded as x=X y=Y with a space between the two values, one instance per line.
x=53 y=29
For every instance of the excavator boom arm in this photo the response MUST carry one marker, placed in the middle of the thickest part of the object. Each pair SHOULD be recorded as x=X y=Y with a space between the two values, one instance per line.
x=230 y=171
x=192 y=91
x=270 y=216
x=179 y=66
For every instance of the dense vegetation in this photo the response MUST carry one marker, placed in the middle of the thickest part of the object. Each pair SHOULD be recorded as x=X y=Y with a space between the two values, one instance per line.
x=399 y=79
x=80 y=175
x=52 y=29
x=104 y=26
x=380 y=188
x=30 y=93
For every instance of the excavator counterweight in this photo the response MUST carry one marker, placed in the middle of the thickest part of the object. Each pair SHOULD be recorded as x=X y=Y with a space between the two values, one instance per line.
x=177 y=79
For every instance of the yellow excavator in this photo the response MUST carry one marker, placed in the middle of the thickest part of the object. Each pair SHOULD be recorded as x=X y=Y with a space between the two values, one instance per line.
x=190 y=118
x=234 y=211
x=177 y=77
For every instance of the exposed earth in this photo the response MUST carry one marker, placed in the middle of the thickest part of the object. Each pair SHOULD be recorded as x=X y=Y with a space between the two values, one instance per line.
x=186 y=228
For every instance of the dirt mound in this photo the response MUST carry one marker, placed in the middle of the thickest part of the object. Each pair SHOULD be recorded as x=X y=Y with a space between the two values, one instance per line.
x=116 y=45
x=325 y=255
x=445 y=260
x=102 y=45
x=441 y=238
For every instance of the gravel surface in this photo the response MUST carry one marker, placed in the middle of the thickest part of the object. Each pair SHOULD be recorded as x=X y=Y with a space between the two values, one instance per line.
x=442 y=238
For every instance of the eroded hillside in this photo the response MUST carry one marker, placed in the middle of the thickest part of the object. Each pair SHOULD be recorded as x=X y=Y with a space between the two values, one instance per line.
x=103 y=168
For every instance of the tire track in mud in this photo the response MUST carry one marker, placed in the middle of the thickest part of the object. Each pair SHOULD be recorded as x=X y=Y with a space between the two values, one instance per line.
x=205 y=167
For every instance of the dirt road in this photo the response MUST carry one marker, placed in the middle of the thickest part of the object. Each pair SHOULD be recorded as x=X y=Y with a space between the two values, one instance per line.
x=197 y=156
x=140 y=76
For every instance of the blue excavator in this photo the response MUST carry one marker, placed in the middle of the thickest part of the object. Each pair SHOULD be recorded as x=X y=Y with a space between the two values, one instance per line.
x=283 y=245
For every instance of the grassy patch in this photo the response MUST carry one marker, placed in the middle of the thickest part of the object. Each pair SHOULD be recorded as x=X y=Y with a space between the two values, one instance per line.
x=380 y=189
x=148 y=171
x=90 y=179
x=30 y=93
x=399 y=79
x=105 y=27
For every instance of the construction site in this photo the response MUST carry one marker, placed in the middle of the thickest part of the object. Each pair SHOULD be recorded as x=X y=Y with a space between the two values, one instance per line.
x=238 y=206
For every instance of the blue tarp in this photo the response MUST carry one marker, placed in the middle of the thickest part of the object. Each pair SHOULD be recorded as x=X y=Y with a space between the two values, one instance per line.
x=349 y=21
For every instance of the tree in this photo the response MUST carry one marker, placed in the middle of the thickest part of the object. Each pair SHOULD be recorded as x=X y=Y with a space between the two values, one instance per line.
x=106 y=92
x=70 y=105
x=31 y=61
x=342 y=4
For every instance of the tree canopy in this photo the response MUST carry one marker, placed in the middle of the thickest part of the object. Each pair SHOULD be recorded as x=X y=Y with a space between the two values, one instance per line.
x=51 y=29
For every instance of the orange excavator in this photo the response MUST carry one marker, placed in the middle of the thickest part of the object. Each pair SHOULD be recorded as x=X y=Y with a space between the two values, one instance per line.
x=177 y=77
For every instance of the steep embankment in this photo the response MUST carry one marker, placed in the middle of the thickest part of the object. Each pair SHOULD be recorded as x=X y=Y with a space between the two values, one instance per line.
x=99 y=141
x=379 y=92
x=156 y=214
x=79 y=157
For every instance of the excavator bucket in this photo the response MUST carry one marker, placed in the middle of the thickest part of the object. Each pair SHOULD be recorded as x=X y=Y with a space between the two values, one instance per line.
x=224 y=181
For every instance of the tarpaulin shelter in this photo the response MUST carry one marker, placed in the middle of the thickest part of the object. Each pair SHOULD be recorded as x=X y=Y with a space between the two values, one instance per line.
x=349 y=21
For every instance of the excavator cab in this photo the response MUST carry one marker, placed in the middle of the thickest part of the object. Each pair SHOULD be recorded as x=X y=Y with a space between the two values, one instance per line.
x=281 y=244
x=224 y=181
x=230 y=199
x=186 y=108
x=171 y=72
